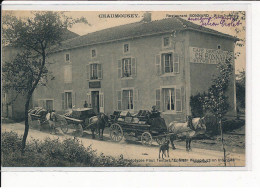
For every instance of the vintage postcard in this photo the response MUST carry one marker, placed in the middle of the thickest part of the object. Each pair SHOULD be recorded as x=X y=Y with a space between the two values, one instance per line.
x=123 y=88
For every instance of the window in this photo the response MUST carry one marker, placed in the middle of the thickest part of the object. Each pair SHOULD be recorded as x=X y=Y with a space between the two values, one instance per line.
x=169 y=99
x=167 y=63
x=126 y=48
x=166 y=41
x=49 y=104
x=68 y=74
x=219 y=47
x=93 y=53
x=67 y=57
x=172 y=99
x=68 y=100
x=128 y=100
x=126 y=67
x=95 y=71
x=45 y=103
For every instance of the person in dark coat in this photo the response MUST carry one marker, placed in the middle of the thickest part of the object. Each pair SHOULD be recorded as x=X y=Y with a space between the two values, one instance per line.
x=85 y=104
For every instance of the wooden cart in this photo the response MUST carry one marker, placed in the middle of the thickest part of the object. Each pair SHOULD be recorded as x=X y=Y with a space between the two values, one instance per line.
x=144 y=127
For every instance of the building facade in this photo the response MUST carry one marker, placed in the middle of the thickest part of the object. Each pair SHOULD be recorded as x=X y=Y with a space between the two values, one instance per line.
x=13 y=103
x=136 y=66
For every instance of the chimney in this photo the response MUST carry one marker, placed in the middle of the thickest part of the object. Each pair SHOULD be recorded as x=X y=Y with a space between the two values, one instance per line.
x=147 y=17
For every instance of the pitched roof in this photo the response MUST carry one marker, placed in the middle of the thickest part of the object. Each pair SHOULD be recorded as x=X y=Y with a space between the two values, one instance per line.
x=137 y=29
x=67 y=34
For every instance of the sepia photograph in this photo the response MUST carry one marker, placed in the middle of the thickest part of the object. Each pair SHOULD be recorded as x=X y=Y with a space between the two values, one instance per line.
x=123 y=88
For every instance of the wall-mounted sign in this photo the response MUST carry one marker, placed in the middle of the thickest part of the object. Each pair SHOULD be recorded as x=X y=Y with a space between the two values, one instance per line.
x=209 y=56
x=96 y=84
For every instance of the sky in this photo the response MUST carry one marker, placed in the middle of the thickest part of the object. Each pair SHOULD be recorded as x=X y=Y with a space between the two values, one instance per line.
x=97 y=21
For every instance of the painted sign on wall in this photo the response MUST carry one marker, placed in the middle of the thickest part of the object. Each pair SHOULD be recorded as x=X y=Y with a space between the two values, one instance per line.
x=209 y=56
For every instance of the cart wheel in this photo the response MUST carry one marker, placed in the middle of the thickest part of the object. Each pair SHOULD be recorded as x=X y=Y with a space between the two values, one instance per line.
x=116 y=132
x=160 y=140
x=63 y=126
x=146 y=138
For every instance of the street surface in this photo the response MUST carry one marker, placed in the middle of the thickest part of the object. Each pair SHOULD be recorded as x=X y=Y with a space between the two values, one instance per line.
x=141 y=155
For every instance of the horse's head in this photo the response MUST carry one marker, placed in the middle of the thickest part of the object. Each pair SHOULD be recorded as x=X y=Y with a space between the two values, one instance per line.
x=104 y=118
x=201 y=125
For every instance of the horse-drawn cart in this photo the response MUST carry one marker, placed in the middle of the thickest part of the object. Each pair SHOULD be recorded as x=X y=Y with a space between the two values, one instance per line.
x=40 y=118
x=145 y=126
x=79 y=118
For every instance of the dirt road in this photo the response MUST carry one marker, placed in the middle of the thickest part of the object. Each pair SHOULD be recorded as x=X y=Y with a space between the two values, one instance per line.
x=139 y=154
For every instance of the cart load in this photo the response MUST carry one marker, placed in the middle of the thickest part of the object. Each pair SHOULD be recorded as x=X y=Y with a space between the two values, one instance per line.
x=143 y=126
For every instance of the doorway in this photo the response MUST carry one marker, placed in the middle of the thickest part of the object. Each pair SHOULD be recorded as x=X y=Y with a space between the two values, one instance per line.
x=95 y=101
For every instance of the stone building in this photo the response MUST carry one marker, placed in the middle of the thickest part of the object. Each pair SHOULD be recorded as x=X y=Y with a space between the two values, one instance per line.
x=136 y=66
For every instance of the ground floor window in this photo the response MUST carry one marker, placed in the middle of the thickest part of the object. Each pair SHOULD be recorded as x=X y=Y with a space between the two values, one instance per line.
x=46 y=104
x=169 y=99
x=128 y=100
x=68 y=100
x=172 y=99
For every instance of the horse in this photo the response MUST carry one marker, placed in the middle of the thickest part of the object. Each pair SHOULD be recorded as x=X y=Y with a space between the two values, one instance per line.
x=98 y=122
x=188 y=130
x=51 y=118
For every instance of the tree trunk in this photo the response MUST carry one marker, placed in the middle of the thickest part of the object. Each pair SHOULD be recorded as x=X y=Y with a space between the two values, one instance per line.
x=222 y=141
x=26 y=130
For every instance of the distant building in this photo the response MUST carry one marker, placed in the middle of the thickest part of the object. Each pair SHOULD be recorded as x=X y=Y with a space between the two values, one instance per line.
x=135 y=66
x=13 y=104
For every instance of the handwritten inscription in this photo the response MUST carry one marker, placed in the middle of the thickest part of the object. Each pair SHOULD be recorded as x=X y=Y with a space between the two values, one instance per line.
x=223 y=21
x=209 y=56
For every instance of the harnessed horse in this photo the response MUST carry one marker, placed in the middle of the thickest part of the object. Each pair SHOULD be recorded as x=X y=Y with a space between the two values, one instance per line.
x=188 y=130
x=51 y=119
x=98 y=122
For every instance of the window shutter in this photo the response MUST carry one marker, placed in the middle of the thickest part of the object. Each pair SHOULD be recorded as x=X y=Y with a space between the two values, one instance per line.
x=136 y=98
x=119 y=68
x=133 y=65
x=183 y=98
x=101 y=102
x=73 y=100
x=119 y=100
x=158 y=99
x=176 y=65
x=100 y=73
x=63 y=101
x=88 y=71
x=178 y=100
x=89 y=99
x=158 y=64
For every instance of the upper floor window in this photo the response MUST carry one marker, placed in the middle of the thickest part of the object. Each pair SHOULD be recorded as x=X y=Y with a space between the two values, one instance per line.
x=219 y=47
x=94 y=71
x=126 y=48
x=67 y=57
x=166 y=41
x=167 y=63
x=93 y=53
x=126 y=67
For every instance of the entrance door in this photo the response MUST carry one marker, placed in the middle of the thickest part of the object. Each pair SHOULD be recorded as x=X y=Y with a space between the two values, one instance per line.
x=95 y=101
